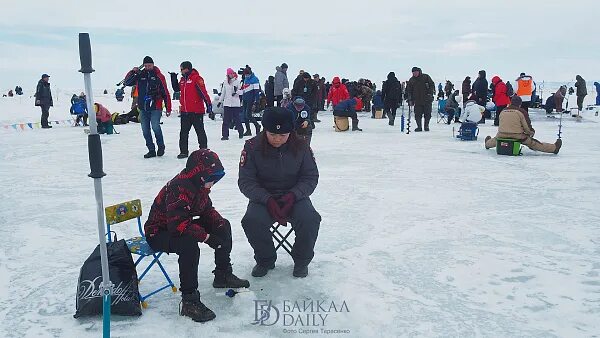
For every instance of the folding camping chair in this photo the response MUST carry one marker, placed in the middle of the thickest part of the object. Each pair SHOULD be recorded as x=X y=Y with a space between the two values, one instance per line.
x=442 y=115
x=280 y=238
x=137 y=245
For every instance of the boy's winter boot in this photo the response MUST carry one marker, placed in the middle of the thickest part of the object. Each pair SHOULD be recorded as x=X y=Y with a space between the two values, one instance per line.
x=192 y=307
x=226 y=279
x=161 y=151
x=150 y=154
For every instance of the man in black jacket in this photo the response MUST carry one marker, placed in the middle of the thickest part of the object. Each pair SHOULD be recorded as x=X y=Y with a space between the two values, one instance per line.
x=43 y=99
x=420 y=90
x=480 y=89
x=277 y=174
x=391 y=93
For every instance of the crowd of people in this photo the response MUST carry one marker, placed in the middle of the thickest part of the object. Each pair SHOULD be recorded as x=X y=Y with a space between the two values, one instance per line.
x=277 y=169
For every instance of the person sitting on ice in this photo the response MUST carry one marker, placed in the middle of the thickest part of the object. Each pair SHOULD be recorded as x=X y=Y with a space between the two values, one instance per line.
x=182 y=216
x=472 y=112
x=377 y=103
x=348 y=108
x=514 y=125
x=303 y=123
x=79 y=108
x=104 y=119
x=556 y=100
x=452 y=108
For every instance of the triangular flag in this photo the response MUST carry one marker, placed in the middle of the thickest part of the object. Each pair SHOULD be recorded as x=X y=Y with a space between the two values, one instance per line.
x=38 y=124
x=14 y=126
x=6 y=126
x=30 y=125
x=22 y=126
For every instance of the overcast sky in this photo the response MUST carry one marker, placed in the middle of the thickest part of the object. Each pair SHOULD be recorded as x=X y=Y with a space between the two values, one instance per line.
x=551 y=40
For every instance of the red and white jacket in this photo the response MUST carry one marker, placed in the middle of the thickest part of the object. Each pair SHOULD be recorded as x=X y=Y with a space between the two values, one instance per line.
x=194 y=96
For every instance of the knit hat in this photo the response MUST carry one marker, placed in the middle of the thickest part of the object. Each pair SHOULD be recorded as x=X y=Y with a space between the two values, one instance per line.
x=203 y=166
x=284 y=65
x=415 y=69
x=516 y=101
x=231 y=72
x=148 y=59
x=277 y=120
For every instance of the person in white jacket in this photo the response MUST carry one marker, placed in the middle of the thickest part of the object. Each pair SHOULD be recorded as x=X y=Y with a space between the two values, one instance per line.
x=232 y=106
x=472 y=112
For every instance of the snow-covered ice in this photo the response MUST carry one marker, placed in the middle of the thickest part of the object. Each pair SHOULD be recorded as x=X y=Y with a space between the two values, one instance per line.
x=422 y=234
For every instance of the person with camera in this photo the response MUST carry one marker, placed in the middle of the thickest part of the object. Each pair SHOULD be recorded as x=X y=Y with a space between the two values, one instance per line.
x=152 y=92
x=192 y=99
x=278 y=173
x=250 y=99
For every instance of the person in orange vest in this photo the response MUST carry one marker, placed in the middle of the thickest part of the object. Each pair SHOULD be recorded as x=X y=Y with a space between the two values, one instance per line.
x=525 y=89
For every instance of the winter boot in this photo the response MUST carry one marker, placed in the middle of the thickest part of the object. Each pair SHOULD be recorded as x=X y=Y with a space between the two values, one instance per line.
x=355 y=126
x=46 y=127
x=261 y=270
x=248 y=132
x=224 y=138
x=300 y=271
x=182 y=155
x=226 y=279
x=418 y=129
x=487 y=138
x=192 y=307
x=150 y=154
x=161 y=151
x=558 y=144
x=426 y=124
x=241 y=134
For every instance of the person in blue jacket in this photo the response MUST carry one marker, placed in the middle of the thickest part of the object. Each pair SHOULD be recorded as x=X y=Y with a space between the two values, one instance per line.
x=597 y=85
x=303 y=123
x=250 y=99
x=377 y=103
x=348 y=108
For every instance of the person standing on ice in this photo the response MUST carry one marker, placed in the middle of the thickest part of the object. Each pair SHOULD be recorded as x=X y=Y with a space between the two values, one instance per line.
x=466 y=90
x=391 y=94
x=420 y=89
x=281 y=81
x=232 y=106
x=250 y=99
x=337 y=93
x=192 y=100
x=182 y=216
x=278 y=173
x=500 y=98
x=152 y=92
x=480 y=89
x=43 y=99
x=525 y=90
x=597 y=85
x=581 y=93
x=515 y=125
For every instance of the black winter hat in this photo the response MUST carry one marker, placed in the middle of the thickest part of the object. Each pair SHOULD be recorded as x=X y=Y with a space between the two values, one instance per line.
x=284 y=65
x=306 y=75
x=278 y=120
x=516 y=101
x=186 y=65
x=415 y=69
x=148 y=59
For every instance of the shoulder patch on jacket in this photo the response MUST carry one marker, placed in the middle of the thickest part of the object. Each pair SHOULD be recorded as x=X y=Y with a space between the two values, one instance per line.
x=243 y=158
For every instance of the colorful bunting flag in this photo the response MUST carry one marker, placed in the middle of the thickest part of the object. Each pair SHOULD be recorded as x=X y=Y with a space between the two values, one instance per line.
x=30 y=125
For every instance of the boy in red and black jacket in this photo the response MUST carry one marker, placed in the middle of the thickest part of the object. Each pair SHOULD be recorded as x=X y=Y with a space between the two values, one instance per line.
x=181 y=216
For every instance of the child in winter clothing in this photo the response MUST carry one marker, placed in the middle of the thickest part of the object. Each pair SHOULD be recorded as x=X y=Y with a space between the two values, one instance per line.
x=377 y=103
x=182 y=216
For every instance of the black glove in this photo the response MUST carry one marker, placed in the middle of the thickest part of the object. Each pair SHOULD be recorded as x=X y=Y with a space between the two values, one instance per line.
x=214 y=242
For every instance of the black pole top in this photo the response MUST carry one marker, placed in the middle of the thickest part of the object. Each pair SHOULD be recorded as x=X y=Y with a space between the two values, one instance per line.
x=85 y=53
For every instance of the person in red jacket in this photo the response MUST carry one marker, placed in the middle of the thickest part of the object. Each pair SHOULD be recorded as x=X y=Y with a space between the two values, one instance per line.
x=337 y=93
x=181 y=216
x=193 y=99
x=500 y=97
